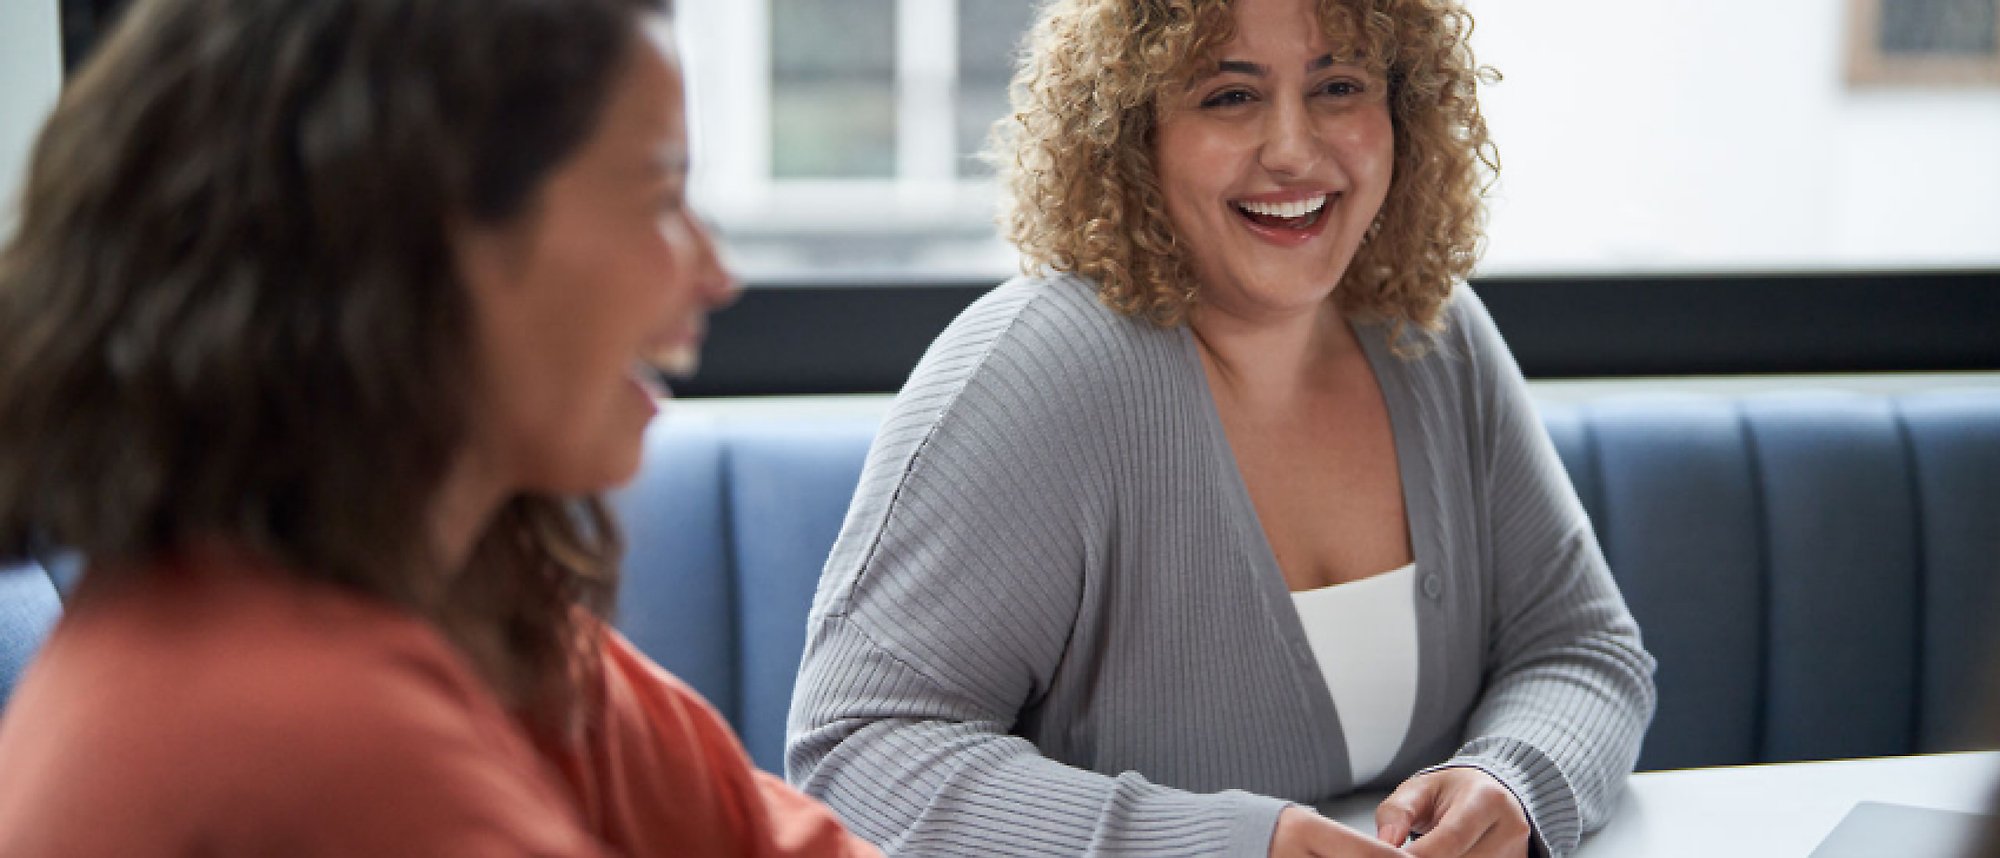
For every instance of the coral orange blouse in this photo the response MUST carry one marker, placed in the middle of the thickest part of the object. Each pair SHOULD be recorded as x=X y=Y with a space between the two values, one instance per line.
x=232 y=711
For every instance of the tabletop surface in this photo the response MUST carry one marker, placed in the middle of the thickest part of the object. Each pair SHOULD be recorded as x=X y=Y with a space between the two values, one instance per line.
x=1780 y=810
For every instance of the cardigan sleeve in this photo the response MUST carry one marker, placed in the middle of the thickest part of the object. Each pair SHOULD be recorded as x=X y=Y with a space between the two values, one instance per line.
x=944 y=611
x=1568 y=686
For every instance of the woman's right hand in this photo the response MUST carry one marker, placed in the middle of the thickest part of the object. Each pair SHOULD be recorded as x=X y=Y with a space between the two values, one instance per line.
x=1302 y=833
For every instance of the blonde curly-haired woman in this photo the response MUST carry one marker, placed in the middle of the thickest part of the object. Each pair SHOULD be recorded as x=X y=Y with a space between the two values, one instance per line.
x=1236 y=503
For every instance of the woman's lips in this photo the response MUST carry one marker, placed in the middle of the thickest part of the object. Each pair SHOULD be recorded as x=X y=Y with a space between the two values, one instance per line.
x=649 y=384
x=1269 y=223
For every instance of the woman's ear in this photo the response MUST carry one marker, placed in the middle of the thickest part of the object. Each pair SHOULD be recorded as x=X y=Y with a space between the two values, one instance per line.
x=489 y=258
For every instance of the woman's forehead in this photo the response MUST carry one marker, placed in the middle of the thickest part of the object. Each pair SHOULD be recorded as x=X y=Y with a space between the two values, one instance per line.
x=1336 y=28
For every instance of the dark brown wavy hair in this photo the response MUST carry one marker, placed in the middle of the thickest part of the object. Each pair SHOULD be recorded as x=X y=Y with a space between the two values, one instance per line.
x=230 y=310
x=1083 y=195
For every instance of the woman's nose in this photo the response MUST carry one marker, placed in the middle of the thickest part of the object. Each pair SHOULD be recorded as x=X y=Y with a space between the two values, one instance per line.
x=718 y=288
x=1291 y=145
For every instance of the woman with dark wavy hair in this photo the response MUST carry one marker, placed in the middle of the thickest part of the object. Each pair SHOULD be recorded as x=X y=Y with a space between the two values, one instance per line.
x=1236 y=503
x=324 y=325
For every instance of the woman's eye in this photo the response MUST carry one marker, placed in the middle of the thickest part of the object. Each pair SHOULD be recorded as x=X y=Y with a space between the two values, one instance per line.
x=1340 y=87
x=670 y=204
x=1228 y=98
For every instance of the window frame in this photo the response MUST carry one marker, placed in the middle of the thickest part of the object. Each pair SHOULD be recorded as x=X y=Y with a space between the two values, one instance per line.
x=737 y=186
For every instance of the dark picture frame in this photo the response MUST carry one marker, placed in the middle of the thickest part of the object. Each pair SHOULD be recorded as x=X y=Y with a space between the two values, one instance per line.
x=1923 y=43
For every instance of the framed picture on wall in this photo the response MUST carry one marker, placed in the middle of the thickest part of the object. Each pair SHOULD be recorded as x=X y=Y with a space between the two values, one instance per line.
x=1923 y=43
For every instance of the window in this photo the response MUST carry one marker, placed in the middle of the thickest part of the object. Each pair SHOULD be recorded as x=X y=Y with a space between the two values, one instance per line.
x=30 y=74
x=833 y=89
x=838 y=137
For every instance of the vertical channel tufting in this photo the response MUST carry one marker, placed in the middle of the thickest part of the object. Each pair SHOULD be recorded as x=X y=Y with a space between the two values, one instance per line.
x=676 y=600
x=1919 y=652
x=789 y=484
x=1760 y=502
x=1954 y=441
x=1843 y=582
x=1680 y=527
x=729 y=580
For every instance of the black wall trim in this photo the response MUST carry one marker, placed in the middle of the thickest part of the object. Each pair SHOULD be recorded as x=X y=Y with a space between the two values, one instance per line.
x=826 y=337
x=1749 y=323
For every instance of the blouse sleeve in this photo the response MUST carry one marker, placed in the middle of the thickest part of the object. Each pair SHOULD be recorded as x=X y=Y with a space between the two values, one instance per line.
x=663 y=774
x=1569 y=687
x=943 y=613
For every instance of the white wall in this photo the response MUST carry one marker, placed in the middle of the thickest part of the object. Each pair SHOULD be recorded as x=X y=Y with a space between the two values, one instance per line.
x=30 y=75
x=1720 y=135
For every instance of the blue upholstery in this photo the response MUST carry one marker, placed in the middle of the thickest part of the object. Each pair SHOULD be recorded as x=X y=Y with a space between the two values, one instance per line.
x=677 y=601
x=29 y=606
x=789 y=489
x=63 y=566
x=726 y=532
x=1841 y=552
x=1676 y=513
x=1954 y=440
x=1814 y=571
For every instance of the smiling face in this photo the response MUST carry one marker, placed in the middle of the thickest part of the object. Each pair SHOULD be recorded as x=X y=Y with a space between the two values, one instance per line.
x=598 y=287
x=1274 y=163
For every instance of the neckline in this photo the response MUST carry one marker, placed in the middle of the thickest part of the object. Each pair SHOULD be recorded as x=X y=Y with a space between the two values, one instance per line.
x=1403 y=436
x=1408 y=434
x=1379 y=579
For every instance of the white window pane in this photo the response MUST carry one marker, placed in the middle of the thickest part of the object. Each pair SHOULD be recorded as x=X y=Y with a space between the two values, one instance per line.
x=833 y=89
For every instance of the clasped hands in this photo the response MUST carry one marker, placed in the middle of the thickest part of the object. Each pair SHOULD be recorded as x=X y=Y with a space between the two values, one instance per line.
x=1458 y=812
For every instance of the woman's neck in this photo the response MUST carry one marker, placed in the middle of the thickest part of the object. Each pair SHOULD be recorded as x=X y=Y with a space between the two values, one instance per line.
x=1271 y=361
x=466 y=502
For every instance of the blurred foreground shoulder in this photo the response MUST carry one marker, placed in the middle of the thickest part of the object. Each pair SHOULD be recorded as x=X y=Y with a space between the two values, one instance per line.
x=250 y=716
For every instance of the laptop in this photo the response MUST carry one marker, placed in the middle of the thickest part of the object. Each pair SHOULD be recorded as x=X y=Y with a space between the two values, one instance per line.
x=1874 y=829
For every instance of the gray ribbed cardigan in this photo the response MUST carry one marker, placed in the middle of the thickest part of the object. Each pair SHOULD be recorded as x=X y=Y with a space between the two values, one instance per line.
x=1052 y=625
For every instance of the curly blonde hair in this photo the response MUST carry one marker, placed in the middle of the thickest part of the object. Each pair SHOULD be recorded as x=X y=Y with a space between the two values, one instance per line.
x=1076 y=161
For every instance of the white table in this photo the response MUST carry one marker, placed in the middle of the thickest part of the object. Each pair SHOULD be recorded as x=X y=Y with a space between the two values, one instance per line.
x=1771 y=811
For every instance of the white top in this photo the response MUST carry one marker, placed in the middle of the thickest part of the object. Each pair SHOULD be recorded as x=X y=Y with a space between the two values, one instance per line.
x=1364 y=636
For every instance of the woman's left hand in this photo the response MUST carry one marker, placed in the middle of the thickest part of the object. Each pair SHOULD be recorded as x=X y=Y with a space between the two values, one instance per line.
x=1456 y=812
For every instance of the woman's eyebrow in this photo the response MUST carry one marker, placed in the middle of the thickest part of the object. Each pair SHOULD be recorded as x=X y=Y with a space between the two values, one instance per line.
x=666 y=164
x=1258 y=70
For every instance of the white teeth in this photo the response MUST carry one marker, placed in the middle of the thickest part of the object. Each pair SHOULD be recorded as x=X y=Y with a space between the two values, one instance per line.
x=1296 y=208
x=669 y=362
